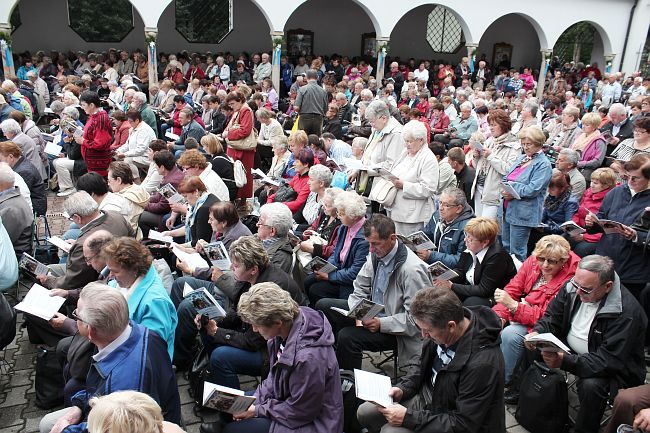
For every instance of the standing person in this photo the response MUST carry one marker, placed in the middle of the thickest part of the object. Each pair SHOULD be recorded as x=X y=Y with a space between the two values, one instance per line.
x=240 y=127
x=311 y=103
x=97 y=135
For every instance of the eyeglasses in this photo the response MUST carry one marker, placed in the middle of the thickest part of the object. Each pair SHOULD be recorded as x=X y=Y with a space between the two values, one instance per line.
x=258 y=224
x=442 y=204
x=551 y=262
x=75 y=316
x=89 y=259
x=577 y=286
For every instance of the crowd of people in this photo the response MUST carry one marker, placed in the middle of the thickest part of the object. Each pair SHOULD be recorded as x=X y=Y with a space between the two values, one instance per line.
x=536 y=209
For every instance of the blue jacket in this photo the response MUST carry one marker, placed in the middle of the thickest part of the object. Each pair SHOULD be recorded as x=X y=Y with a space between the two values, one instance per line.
x=562 y=214
x=531 y=187
x=138 y=364
x=346 y=272
x=151 y=306
x=450 y=241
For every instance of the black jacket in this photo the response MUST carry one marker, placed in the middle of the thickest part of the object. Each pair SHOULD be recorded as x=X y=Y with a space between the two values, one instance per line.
x=218 y=122
x=468 y=393
x=34 y=182
x=626 y=131
x=464 y=181
x=616 y=336
x=201 y=229
x=494 y=272
x=333 y=127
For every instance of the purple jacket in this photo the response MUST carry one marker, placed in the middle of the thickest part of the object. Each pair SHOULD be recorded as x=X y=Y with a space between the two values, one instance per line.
x=302 y=393
x=159 y=204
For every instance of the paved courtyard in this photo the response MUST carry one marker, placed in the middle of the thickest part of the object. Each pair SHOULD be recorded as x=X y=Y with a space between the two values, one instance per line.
x=18 y=411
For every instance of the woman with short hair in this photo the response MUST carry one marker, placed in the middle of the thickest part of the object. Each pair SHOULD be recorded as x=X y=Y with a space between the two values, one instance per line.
x=566 y=131
x=320 y=178
x=240 y=127
x=639 y=143
x=226 y=224
x=559 y=205
x=591 y=145
x=300 y=182
x=221 y=163
x=320 y=238
x=120 y=180
x=270 y=131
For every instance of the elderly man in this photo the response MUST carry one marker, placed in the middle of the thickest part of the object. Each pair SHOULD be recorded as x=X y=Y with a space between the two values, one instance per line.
x=133 y=151
x=156 y=96
x=262 y=70
x=336 y=149
x=129 y=357
x=611 y=92
x=446 y=228
x=11 y=154
x=567 y=162
x=125 y=65
x=460 y=129
x=139 y=103
x=40 y=90
x=12 y=130
x=189 y=128
x=391 y=276
x=16 y=214
x=604 y=326
x=311 y=103
x=345 y=108
x=458 y=384
x=620 y=127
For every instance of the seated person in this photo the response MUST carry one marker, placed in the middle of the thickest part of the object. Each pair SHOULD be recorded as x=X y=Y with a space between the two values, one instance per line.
x=300 y=182
x=458 y=384
x=483 y=267
x=8 y=260
x=446 y=228
x=390 y=276
x=120 y=180
x=153 y=178
x=349 y=255
x=194 y=163
x=273 y=229
x=251 y=264
x=631 y=407
x=11 y=154
x=320 y=178
x=604 y=326
x=321 y=237
x=525 y=298
x=134 y=150
x=226 y=224
x=17 y=217
x=130 y=357
x=303 y=389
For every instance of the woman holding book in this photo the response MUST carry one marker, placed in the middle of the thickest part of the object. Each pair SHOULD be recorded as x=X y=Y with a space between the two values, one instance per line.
x=324 y=228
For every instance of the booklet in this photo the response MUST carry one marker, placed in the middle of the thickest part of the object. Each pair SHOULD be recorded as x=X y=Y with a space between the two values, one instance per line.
x=194 y=260
x=510 y=190
x=421 y=241
x=373 y=387
x=609 y=226
x=39 y=303
x=31 y=265
x=226 y=399
x=548 y=342
x=572 y=228
x=319 y=264
x=204 y=302
x=157 y=236
x=364 y=309
x=441 y=272
x=53 y=149
x=386 y=174
x=169 y=192
x=171 y=136
x=257 y=173
x=59 y=243
x=218 y=255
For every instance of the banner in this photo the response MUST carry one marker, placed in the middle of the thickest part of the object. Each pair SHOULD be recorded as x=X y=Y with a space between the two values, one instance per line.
x=7 y=59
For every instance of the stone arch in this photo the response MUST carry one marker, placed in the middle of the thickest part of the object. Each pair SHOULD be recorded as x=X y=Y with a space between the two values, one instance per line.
x=601 y=43
x=6 y=9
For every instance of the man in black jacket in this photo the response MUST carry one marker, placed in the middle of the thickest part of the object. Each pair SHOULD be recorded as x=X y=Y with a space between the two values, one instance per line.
x=620 y=127
x=604 y=326
x=459 y=384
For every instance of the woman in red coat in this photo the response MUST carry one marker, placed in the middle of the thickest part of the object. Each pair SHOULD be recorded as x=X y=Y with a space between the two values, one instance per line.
x=239 y=127
x=97 y=135
x=525 y=298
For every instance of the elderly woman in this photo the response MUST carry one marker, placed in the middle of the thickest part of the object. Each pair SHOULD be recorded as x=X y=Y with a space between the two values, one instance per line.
x=484 y=267
x=221 y=163
x=174 y=72
x=492 y=162
x=296 y=337
x=226 y=224
x=591 y=145
x=270 y=131
x=120 y=180
x=567 y=130
x=528 y=178
x=280 y=158
x=349 y=255
x=121 y=128
x=130 y=265
x=602 y=182
x=321 y=236
x=320 y=178
x=640 y=143
x=524 y=299
x=240 y=127
x=415 y=175
x=194 y=163
x=300 y=182
x=30 y=150
x=158 y=206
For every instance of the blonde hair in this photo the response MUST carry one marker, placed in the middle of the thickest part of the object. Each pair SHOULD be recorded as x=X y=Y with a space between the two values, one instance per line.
x=299 y=137
x=266 y=303
x=572 y=111
x=534 y=134
x=591 y=119
x=211 y=144
x=125 y=412
x=554 y=246
x=605 y=175
x=483 y=229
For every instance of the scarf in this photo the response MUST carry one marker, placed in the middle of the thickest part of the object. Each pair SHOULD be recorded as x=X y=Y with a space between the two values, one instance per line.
x=191 y=216
x=552 y=204
x=583 y=140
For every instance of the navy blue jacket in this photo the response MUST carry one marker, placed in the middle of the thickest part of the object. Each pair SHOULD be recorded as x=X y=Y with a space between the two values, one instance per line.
x=562 y=214
x=347 y=271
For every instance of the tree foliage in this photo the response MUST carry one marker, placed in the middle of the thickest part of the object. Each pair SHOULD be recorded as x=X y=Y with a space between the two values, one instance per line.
x=203 y=21
x=580 y=35
x=96 y=21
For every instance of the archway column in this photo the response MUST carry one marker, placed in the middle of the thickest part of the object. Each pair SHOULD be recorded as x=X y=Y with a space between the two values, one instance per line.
x=277 y=37
x=5 y=46
x=150 y=36
x=382 y=49
x=546 y=58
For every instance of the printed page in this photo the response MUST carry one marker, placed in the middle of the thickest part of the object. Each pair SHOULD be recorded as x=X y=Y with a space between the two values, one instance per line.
x=38 y=302
x=373 y=387
x=548 y=342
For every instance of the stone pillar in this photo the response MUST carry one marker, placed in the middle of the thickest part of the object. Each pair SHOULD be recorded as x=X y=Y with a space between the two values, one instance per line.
x=609 y=59
x=276 y=75
x=546 y=59
x=5 y=47
x=471 y=55
x=382 y=50
x=151 y=34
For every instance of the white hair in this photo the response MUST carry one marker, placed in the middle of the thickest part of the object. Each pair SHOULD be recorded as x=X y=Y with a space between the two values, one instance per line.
x=351 y=203
x=80 y=203
x=71 y=112
x=377 y=109
x=278 y=216
x=321 y=173
x=414 y=130
x=7 y=176
x=466 y=106
x=618 y=108
x=10 y=126
x=140 y=97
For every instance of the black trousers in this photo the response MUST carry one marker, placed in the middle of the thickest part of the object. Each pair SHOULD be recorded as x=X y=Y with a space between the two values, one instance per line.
x=311 y=123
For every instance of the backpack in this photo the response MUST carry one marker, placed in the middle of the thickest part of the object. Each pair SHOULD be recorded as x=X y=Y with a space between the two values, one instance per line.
x=239 y=171
x=543 y=400
x=49 y=381
x=7 y=322
x=350 y=402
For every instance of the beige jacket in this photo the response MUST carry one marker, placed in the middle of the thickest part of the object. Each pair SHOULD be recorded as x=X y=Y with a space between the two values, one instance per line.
x=501 y=158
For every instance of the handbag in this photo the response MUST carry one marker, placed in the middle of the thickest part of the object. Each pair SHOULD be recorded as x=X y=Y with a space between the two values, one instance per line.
x=198 y=374
x=383 y=192
x=246 y=143
x=285 y=193
x=48 y=382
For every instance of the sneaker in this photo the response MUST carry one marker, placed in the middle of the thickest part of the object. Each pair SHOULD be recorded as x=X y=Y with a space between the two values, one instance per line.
x=66 y=192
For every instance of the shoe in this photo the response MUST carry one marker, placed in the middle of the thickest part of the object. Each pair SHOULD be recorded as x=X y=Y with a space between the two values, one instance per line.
x=66 y=192
x=211 y=427
x=511 y=396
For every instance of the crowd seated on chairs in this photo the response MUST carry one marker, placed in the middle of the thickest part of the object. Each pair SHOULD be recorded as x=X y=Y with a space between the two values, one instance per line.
x=475 y=209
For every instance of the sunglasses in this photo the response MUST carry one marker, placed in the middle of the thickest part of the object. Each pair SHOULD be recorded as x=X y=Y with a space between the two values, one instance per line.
x=551 y=262
x=577 y=286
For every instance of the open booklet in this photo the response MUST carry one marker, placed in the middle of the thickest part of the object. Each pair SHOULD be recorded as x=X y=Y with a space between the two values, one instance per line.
x=609 y=226
x=572 y=228
x=157 y=236
x=510 y=190
x=319 y=264
x=204 y=302
x=194 y=260
x=548 y=342
x=39 y=303
x=218 y=255
x=53 y=149
x=257 y=173
x=171 y=136
x=226 y=399
x=59 y=243
x=364 y=309
x=441 y=272
x=421 y=241
x=373 y=387
x=31 y=265
x=169 y=192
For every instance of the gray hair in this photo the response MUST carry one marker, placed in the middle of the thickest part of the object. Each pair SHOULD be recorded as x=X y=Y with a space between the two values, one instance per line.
x=105 y=309
x=321 y=174
x=359 y=142
x=71 y=112
x=377 y=109
x=532 y=107
x=466 y=106
x=340 y=96
x=351 y=203
x=414 y=130
x=96 y=241
x=312 y=74
x=265 y=303
x=618 y=108
x=7 y=176
x=601 y=265
x=140 y=97
x=280 y=142
x=332 y=193
x=57 y=107
x=80 y=203
x=32 y=73
x=10 y=126
x=278 y=216
x=456 y=194
x=571 y=155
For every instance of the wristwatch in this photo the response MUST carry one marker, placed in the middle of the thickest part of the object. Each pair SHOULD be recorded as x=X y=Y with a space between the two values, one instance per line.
x=513 y=310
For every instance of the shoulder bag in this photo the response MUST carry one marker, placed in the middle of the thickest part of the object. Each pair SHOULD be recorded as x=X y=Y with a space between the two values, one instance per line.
x=247 y=143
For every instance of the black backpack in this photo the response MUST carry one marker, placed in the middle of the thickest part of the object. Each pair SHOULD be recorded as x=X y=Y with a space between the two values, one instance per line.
x=49 y=381
x=7 y=322
x=350 y=402
x=543 y=400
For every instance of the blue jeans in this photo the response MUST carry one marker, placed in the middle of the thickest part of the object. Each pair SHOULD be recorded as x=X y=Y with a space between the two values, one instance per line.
x=226 y=362
x=515 y=239
x=512 y=345
x=72 y=233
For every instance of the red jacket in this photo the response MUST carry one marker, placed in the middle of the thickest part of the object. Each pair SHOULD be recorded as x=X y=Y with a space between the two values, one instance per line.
x=441 y=125
x=194 y=72
x=300 y=184
x=592 y=201
x=121 y=135
x=536 y=301
x=96 y=147
x=245 y=119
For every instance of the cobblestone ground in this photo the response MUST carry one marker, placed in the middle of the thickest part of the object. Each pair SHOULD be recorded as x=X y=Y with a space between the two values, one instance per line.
x=19 y=414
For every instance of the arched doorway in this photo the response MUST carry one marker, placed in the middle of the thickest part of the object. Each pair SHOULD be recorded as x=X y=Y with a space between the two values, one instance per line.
x=512 y=36
x=580 y=43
